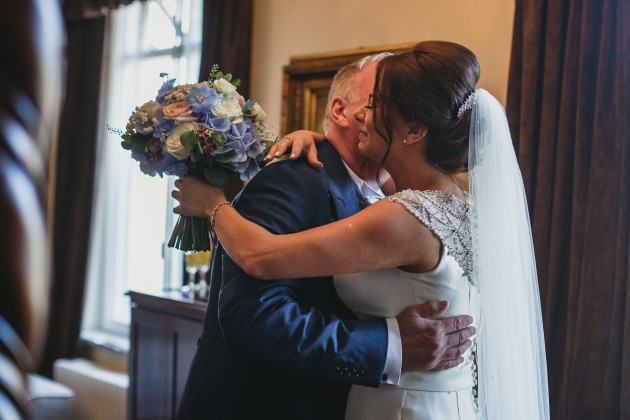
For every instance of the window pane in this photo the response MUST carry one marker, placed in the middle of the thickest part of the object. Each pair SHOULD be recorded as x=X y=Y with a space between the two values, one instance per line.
x=133 y=212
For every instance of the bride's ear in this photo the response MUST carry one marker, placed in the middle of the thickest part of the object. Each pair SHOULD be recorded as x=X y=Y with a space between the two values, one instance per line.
x=338 y=110
x=415 y=132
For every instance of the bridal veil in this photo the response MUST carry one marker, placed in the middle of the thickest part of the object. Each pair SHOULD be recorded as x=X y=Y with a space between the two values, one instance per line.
x=512 y=369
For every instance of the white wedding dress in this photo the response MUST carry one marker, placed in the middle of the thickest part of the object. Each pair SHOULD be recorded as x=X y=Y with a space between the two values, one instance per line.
x=439 y=395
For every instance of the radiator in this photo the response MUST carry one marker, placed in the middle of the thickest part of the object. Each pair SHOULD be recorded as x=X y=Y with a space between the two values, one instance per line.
x=100 y=394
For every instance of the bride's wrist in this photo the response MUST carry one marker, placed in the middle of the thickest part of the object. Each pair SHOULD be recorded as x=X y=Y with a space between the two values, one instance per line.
x=212 y=213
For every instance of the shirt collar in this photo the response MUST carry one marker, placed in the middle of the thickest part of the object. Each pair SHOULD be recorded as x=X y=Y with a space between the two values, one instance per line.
x=370 y=194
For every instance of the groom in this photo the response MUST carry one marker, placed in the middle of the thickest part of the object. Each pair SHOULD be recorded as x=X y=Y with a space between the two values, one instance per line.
x=290 y=349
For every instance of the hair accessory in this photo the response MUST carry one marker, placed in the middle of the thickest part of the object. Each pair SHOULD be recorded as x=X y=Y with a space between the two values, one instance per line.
x=214 y=212
x=468 y=103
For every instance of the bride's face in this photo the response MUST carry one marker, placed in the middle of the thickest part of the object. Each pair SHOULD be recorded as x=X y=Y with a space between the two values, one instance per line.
x=371 y=143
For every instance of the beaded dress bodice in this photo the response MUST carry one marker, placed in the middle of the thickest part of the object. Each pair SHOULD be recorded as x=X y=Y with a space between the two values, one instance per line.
x=447 y=216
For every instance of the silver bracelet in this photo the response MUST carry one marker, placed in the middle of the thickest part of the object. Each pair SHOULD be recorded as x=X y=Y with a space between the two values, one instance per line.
x=214 y=212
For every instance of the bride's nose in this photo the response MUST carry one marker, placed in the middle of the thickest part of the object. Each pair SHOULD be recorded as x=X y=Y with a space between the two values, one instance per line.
x=359 y=114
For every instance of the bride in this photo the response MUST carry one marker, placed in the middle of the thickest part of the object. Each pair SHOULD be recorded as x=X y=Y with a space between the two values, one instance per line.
x=435 y=238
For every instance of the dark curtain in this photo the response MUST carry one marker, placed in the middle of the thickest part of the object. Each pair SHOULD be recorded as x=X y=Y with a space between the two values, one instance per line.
x=569 y=109
x=227 y=39
x=80 y=127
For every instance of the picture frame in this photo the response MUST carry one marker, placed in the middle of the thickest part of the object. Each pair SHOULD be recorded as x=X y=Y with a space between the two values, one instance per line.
x=307 y=80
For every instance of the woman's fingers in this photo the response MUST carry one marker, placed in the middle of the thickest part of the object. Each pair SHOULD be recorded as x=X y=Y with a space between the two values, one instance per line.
x=279 y=148
x=311 y=156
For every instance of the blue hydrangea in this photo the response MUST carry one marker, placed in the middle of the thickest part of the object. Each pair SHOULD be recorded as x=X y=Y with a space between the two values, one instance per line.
x=202 y=98
x=246 y=169
x=172 y=166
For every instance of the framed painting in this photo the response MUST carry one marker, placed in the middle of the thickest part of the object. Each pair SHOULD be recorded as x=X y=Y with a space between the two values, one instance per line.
x=307 y=79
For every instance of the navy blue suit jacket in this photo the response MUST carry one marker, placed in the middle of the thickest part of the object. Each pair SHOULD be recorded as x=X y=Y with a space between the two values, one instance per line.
x=283 y=349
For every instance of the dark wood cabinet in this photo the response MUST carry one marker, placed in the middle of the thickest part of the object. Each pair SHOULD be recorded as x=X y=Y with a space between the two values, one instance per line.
x=164 y=331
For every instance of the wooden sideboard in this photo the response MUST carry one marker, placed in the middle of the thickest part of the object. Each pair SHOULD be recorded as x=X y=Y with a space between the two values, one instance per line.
x=164 y=331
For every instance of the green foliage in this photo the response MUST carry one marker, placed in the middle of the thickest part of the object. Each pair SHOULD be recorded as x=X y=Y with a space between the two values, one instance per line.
x=224 y=157
x=189 y=140
x=248 y=105
x=138 y=141
x=215 y=74
x=215 y=175
x=218 y=139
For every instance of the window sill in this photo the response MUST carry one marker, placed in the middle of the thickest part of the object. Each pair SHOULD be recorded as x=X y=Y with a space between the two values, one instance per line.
x=107 y=350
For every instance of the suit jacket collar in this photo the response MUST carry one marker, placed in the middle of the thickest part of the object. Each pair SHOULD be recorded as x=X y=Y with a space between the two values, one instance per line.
x=342 y=189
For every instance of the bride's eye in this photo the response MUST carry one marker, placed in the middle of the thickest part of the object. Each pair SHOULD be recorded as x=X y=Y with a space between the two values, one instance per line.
x=371 y=102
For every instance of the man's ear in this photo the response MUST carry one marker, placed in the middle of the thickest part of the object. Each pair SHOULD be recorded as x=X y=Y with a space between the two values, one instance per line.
x=338 y=109
x=415 y=132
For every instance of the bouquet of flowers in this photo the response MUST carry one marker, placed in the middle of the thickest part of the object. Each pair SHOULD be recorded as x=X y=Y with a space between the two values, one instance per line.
x=204 y=129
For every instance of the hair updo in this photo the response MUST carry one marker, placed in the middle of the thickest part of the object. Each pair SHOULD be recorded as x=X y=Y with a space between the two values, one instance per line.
x=428 y=85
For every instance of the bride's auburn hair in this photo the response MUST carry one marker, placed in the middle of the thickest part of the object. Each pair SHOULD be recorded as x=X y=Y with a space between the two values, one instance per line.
x=427 y=85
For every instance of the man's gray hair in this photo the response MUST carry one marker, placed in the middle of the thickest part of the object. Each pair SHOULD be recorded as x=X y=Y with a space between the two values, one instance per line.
x=344 y=83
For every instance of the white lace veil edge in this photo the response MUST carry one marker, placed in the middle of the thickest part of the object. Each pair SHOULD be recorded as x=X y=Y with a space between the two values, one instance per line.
x=512 y=368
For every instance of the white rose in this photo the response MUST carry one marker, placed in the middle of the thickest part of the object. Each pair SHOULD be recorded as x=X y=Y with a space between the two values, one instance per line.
x=228 y=108
x=223 y=86
x=174 y=146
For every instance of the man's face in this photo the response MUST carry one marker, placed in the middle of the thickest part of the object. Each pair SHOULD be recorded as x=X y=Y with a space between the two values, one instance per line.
x=364 y=82
x=363 y=87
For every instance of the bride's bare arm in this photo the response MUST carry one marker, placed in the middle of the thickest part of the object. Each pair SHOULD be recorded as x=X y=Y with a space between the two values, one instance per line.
x=384 y=235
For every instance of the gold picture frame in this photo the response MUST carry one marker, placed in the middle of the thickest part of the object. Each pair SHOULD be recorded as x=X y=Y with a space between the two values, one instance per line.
x=307 y=79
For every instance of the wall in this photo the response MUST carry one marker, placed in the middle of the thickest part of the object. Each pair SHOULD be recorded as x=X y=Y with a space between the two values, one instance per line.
x=286 y=28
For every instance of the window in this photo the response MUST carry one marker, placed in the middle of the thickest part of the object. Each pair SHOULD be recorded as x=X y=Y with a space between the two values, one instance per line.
x=132 y=213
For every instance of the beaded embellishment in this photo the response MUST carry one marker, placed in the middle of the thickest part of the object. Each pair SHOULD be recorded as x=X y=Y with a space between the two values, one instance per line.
x=448 y=217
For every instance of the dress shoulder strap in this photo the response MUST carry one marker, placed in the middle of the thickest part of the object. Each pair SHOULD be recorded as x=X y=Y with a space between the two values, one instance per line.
x=447 y=217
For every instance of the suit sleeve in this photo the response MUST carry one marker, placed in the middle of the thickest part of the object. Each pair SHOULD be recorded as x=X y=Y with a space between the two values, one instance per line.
x=299 y=324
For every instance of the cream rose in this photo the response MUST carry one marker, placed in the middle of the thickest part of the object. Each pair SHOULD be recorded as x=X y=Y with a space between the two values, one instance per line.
x=223 y=86
x=228 y=108
x=150 y=108
x=180 y=111
x=258 y=113
x=174 y=144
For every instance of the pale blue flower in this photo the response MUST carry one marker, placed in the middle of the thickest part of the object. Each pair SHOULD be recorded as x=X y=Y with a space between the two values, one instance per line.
x=163 y=126
x=202 y=98
x=166 y=88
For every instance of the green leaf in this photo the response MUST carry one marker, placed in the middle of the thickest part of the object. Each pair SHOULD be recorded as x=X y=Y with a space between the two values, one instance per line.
x=163 y=74
x=248 y=105
x=216 y=176
x=138 y=142
x=196 y=155
x=218 y=139
x=125 y=145
x=189 y=140
x=225 y=157
x=228 y=77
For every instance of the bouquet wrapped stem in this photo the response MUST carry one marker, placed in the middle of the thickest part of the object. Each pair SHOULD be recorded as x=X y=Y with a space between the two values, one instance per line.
x=205 y=130
x=191 y=234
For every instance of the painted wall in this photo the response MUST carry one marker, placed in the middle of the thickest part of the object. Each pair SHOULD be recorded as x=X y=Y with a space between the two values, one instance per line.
x=286 y=28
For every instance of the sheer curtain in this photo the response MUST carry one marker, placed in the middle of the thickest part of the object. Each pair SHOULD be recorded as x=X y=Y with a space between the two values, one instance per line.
x=569 y=110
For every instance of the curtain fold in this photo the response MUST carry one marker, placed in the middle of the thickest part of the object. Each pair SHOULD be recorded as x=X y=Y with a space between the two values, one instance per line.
x=227 y=39
x=74 y=187
x=569 y=110
x=87 y=9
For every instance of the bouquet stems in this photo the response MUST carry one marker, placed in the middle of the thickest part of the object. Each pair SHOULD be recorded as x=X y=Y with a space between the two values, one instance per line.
x=191 y=234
